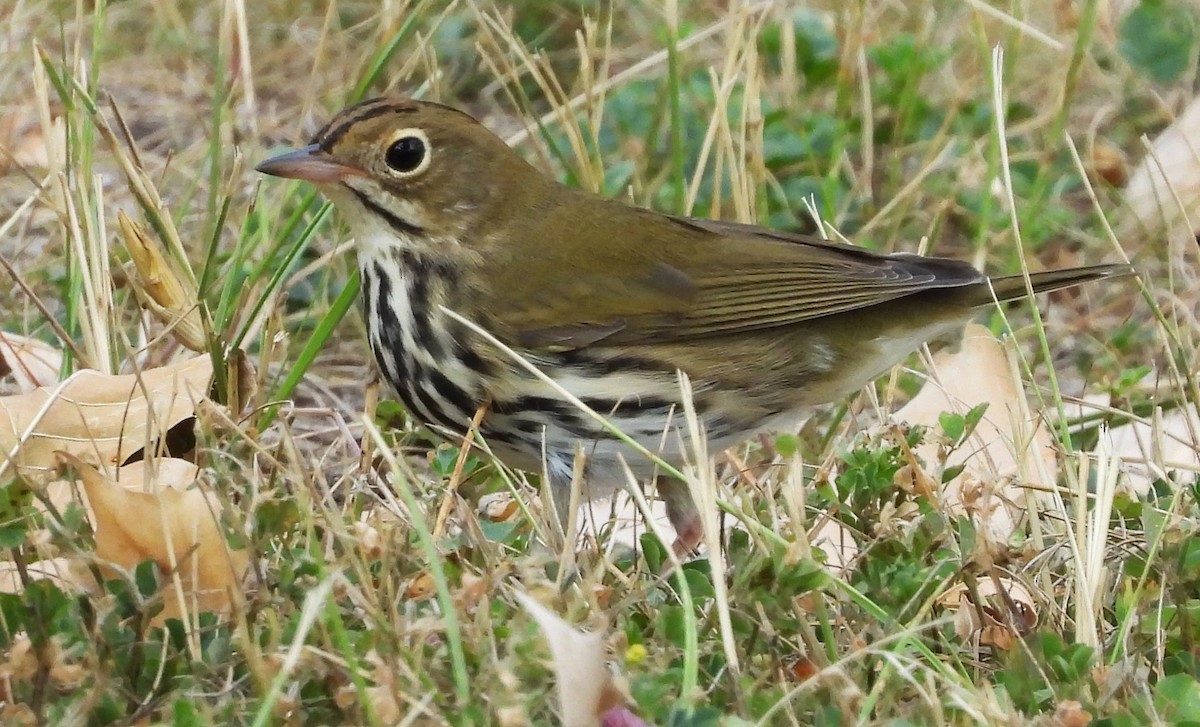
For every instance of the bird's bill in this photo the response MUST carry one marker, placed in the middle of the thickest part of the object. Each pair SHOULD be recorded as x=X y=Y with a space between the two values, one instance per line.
x=309 y=164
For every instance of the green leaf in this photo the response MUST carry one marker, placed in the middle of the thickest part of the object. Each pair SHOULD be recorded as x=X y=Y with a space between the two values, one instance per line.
x=951 y=472
x=816 y=45
x=699 y=580
x=787 y=445
x=185 y=714
x=671 y=622
x=953 y=425
x=689 y=716
x=652 y=551
x=444 y=460
x=1158 y=39
x=973 y=417
x=12 y=535
x=1178 y=698
x=501 y=532
x=146 y=578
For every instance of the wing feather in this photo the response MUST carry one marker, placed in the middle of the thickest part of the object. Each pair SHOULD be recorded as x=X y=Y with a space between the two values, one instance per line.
x=706 y=278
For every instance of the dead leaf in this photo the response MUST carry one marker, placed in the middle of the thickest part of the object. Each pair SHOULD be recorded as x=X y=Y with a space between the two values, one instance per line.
x=1171 y=168
x=837 y=542
x=1005 y=451
x=801 y=669
x=1147 y=450
x=98 y=417
x=498 y=506
x=369 y=540
x=421 y=587
x=22 y=661
x=1007 y=611
x=471 y=592
x=26 y=143
x=1107 y=162
x=513 y=715
x=1071 y=713
x=382 y=696
x=67 y=573
x=31 y=362
x=621 y=717
x=587 y=694
x=156 y=510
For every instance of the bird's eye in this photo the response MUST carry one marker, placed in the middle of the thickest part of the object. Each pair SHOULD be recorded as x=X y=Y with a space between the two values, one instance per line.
x=407 y=154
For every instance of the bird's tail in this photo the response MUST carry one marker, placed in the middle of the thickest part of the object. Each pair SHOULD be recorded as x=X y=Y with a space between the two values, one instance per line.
x=1013 y=287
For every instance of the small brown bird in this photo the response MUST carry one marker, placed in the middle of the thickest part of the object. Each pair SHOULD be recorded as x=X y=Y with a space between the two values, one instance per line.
x=608 y=300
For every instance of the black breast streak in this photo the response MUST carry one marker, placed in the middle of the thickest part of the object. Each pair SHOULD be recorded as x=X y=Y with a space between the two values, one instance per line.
x=555 y=412
x=504 y=436
x=627 y=405
x=589 y=363
x=555 y=408
x=394 y=359
x=424 y=389
x=428 y=404
x=467 y=355
x=391 y=328
x=420 y=303
x=718 y=426
x=529 y=425
x=452 y=393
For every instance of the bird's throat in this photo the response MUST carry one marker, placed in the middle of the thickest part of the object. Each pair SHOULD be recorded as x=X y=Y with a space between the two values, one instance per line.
x=414 y=342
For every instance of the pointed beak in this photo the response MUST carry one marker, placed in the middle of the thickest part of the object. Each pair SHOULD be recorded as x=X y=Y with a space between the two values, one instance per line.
x=309 y=164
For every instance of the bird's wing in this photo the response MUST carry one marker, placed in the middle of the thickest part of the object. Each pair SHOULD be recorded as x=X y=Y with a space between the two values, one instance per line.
x=684 y=279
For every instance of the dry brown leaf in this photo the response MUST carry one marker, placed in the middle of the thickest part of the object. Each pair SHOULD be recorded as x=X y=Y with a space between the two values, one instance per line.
x=1007 y=612
x=802 y=669
x=1171 y=168
x=471 y=592
x=837 y=542
x=382 y=696
x=586 y=691
x=98 y=417
x=156 y=510
x=1071 y=713
x=498 y=506
x=1004 y=451
x=22 y=662
x=369 y=540
x=25 y=143
x=31 y=362
x=421 y=587
x=1107 y=162
x=67 y=573
x=1147 y=450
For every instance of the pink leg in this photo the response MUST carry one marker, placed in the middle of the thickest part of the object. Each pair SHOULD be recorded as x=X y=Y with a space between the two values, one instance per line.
x=682 y=512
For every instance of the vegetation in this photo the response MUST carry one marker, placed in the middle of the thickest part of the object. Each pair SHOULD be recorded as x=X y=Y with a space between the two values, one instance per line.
x=383 y=564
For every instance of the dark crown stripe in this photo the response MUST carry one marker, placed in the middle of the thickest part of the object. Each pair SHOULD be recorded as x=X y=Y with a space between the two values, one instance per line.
x=332 y=132
x=403 y=227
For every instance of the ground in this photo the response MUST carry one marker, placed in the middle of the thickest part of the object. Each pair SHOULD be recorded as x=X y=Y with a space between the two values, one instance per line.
x=371 y=596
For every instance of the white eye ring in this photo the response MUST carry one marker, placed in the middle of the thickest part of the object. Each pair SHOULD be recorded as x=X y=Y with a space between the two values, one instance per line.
x=408 y=153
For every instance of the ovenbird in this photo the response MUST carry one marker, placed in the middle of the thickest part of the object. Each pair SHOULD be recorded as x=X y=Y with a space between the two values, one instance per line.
x=608 y=300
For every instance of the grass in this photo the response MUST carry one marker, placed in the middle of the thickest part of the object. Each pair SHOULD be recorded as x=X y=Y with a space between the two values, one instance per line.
x=875 y=121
